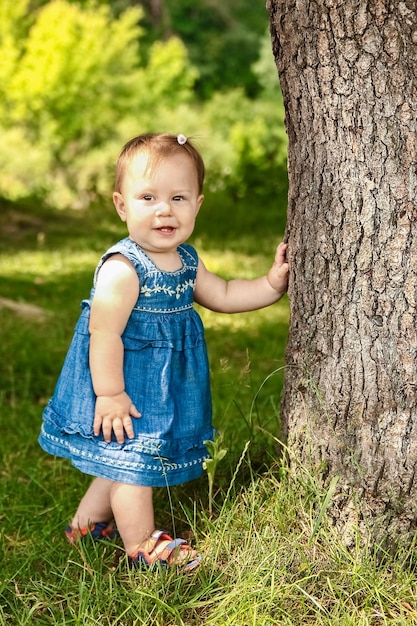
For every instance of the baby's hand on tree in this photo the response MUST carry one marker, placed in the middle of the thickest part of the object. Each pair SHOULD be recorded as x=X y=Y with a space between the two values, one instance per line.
x=114 y=414
x=278 y=274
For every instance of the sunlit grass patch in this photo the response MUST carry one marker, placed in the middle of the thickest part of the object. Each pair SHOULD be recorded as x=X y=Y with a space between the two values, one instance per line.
x=46 y=264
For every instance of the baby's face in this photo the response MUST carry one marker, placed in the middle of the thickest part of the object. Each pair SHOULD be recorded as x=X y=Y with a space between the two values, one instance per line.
x=159 y=203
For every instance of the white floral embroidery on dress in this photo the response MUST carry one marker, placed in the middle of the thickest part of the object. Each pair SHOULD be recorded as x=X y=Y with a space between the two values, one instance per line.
x=180 y=289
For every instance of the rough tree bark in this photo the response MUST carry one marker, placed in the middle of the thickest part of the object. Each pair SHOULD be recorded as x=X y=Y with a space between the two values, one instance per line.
x=347 y=69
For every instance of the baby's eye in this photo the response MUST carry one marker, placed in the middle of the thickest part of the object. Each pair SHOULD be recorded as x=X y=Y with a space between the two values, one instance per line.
x=148 y=197
x=178 y=198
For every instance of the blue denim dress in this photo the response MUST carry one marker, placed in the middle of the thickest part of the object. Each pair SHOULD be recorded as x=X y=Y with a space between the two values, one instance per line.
x=166 y=375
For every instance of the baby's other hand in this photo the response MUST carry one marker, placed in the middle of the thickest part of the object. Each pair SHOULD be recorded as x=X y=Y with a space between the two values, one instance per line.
x=113 y=414
x=278 y=274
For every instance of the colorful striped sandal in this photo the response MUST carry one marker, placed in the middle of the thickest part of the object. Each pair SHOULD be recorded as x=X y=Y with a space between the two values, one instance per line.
x=167 y=552
x=99 y=530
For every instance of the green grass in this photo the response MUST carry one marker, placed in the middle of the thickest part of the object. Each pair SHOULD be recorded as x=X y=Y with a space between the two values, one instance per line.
x=270 y=555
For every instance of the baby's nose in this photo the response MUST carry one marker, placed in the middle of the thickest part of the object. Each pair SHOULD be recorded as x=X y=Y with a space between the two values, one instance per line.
x=163 y=208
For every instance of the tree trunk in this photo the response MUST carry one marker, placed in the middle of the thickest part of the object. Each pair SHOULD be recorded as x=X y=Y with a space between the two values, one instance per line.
x=156 y=11
x=348 y=75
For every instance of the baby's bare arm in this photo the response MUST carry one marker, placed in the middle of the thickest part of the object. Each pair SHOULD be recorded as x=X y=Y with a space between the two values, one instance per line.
x=115 y=295
x=238 y=295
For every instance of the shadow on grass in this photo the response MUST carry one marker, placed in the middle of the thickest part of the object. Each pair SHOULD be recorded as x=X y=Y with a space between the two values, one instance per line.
x=33 y=226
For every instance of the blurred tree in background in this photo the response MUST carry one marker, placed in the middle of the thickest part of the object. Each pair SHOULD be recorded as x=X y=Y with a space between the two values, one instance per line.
x=78 y=79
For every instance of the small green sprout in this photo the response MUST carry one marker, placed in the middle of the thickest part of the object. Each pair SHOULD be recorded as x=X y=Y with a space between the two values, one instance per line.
x=217 y=453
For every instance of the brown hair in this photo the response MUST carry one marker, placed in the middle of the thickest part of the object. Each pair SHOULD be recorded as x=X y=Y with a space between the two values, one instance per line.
x=159 y=146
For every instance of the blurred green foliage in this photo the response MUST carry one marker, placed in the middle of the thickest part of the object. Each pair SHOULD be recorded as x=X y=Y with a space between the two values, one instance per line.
x=222 y=38
x=78 y=79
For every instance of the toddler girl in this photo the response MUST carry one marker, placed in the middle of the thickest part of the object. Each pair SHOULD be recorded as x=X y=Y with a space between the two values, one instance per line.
x=132 y=405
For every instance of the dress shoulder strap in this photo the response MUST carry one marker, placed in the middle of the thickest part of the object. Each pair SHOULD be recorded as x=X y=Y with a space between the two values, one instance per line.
x=131 y=251
x=188 y=254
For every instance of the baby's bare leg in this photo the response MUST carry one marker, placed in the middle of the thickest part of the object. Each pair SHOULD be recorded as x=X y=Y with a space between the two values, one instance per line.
x=132 y=507
x=95 y=506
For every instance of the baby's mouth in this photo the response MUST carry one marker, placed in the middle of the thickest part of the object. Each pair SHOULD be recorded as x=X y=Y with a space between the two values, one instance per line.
x=167 y=230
